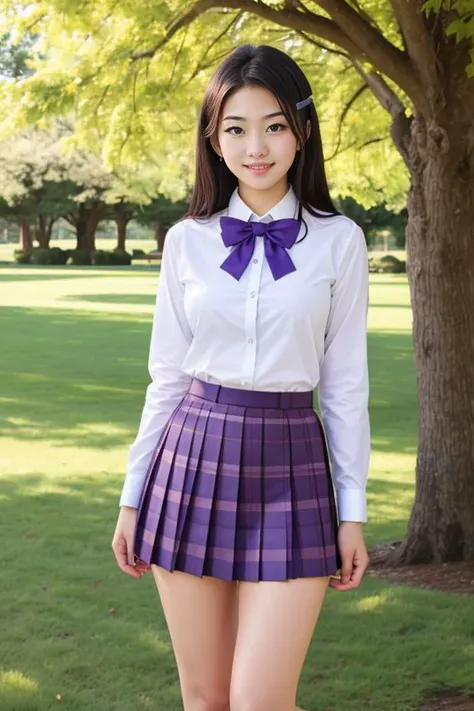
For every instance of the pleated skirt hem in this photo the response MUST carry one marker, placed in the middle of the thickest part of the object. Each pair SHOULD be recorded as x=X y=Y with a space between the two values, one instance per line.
x=240 y=492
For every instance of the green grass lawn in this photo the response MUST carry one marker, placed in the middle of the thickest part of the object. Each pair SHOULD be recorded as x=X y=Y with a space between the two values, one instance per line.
x=73 y=373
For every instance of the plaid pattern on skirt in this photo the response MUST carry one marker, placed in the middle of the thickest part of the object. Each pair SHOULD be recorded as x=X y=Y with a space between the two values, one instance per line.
x=239 y=488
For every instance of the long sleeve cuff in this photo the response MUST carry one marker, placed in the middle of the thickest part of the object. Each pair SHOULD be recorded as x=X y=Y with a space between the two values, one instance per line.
x=132 y=490
x=351 y=505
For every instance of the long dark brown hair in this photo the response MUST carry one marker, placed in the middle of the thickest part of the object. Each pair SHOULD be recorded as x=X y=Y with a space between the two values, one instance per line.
x=268 y=68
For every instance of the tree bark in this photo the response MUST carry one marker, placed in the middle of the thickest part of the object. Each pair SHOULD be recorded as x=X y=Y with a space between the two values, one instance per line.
x=43 y=231
x=440 y=250
x=121 y=223
x=80 y=224
x=26 y=239
x=86 y=224
x=160 y=234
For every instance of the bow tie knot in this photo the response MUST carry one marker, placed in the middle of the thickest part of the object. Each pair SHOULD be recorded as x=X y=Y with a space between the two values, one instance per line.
x=278 y=236
x=259 y=228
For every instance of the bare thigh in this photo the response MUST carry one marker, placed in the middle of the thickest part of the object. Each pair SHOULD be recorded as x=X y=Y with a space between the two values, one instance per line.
x=276 y=623
x=201 y=614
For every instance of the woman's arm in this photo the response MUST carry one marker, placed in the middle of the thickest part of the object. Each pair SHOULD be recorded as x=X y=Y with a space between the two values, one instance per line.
x=170 y=341
x=344 y=380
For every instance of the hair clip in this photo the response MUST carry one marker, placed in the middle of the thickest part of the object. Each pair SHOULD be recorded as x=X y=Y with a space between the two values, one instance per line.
x=304 y=103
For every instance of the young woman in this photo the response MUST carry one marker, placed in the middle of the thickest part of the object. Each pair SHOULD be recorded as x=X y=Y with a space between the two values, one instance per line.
x=229 y=497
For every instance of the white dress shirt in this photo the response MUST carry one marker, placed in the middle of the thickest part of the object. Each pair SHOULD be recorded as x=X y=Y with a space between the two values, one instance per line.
x=307 y=329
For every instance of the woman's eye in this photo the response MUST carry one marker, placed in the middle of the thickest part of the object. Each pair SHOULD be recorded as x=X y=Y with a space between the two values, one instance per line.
x=277 y=126
x=238 y=130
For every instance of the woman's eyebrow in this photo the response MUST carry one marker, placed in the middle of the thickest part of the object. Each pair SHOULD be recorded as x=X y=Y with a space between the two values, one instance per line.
x=242 y=118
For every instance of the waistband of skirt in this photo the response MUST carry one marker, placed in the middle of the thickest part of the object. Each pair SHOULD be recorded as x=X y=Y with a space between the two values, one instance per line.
x=250 y=398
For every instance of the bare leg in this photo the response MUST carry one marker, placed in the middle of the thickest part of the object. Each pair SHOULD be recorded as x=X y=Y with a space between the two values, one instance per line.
x=201 y=614
x=276 y=623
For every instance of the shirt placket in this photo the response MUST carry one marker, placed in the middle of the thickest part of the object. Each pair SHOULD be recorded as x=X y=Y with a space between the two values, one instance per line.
x=251 y=307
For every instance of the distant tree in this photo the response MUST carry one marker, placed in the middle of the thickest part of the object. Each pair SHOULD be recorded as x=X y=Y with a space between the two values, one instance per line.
x=41 y=180
x=160 y=214
x=376 y=219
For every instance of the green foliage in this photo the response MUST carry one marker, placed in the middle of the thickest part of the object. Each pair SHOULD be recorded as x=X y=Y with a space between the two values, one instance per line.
x=14 y=56
x=21 y=257
x=460 y=22
x=79 y=257
x=51 y=255
x=43 y=174
x=136 y=106
x=140 y=114
x=101 y=257
x=162 y=210
x=375 y=219
x=388 y=264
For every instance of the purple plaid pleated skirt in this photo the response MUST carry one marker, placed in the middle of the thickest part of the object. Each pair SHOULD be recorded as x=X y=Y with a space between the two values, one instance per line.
x=239 y=488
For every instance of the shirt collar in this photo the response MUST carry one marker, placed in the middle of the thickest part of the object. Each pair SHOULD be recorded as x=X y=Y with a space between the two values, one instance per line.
x=286 y=208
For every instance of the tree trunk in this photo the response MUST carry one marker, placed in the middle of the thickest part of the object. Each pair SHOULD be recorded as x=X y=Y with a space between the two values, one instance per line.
x=81 y=228
x=49 y=230
x=87 y=223
x=121 y=223
x=26 y=239
x=42 y=232
x=159 y=236
x=440 y=249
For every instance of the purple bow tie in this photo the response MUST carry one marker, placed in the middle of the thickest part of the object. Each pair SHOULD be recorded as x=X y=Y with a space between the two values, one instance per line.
x=278 y=236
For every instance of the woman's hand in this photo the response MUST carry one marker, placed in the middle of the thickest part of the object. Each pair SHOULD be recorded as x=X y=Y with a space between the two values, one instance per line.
x=122 y=543
x=354 y=556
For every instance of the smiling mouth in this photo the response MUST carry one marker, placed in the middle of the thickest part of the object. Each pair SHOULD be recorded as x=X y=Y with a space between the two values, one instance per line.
x=259 y=167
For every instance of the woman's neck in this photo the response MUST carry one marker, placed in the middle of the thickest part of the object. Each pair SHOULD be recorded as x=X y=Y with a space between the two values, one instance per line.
x=262 y=201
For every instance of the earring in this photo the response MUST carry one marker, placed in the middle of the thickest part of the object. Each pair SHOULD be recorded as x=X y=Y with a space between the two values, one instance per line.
x=220 y=158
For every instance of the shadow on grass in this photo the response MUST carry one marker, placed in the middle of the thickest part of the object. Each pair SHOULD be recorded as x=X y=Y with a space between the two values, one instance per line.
x=66 y=268
x=113 y=298
x=73 y=624
x=39 y=276
x=72 y=377
x=80 y=378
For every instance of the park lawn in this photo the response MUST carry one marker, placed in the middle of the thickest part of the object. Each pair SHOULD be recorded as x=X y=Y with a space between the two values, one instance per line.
x=76 y=633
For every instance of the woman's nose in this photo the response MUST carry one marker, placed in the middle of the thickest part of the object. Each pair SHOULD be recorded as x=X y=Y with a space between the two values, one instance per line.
x=256 y=146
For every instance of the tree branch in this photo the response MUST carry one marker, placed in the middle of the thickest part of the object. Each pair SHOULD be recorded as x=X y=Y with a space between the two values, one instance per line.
x=400 y=128
x=347 y=29
x=350 y=103
x=384 y=56
x=201 y=65
x=418 y=42
x=314 y=42
x=289 y=18
x=381 y=90
x=365 y=15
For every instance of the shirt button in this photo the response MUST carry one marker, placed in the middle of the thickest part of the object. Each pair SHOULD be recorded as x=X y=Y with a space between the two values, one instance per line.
x=252 y=294
x=255 y=261
x=250 y=340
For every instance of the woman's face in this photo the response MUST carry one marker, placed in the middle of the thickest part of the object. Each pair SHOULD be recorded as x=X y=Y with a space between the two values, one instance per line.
x=256 y=142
